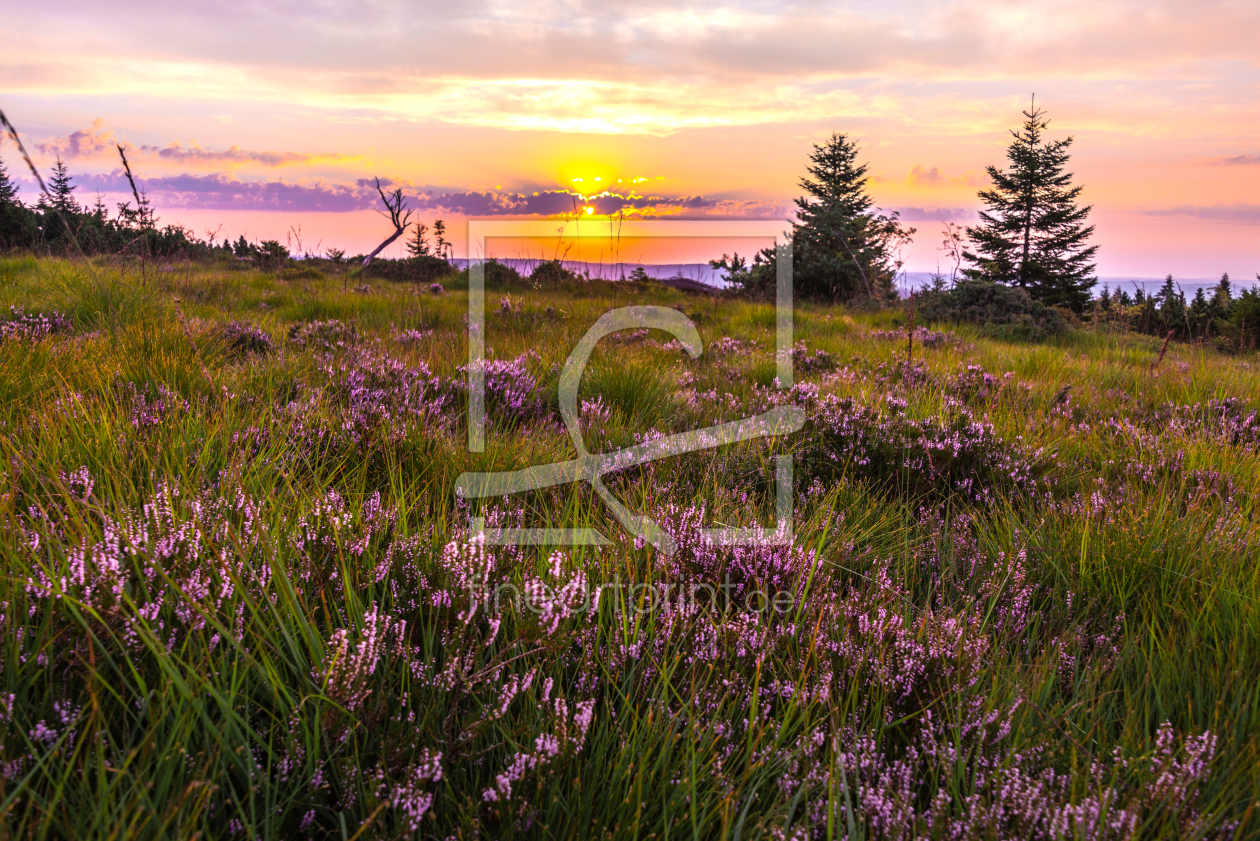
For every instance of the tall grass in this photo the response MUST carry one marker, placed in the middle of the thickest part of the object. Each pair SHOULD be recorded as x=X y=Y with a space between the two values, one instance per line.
x=241 y=598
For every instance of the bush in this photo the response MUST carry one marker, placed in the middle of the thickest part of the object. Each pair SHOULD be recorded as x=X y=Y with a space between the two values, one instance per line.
x=498 y=274
x=553 y=272
x=423 y=269
x=958 y=456
x=323 y=335
x=1241 y=331
x=299 y=273
x=271 y=254
x=1007 y=311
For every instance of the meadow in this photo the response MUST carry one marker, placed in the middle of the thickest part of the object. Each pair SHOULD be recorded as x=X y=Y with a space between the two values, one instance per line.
x=242 y=599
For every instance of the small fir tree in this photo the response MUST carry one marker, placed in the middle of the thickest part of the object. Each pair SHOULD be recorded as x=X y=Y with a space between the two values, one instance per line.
x=418 y=245
x=1032 y=233
x=439 y=233
x=60 y=192
x=1172 y=307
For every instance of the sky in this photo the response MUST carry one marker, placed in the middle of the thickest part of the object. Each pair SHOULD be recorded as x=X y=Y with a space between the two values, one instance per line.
x=271 y=119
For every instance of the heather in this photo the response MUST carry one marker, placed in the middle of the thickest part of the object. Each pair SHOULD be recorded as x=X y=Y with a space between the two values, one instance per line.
x=243 y=599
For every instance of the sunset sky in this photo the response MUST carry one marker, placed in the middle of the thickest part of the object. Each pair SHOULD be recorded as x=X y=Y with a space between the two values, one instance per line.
x=267 y=116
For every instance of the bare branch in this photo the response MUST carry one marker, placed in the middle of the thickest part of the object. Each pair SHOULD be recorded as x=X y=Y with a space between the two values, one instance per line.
x=396 y=204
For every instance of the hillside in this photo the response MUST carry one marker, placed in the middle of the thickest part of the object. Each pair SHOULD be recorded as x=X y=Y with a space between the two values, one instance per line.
x=243 y=599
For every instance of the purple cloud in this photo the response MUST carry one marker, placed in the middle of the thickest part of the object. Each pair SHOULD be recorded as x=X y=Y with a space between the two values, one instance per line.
x=218 y=191
x=1237 y=160
x=1247 y=214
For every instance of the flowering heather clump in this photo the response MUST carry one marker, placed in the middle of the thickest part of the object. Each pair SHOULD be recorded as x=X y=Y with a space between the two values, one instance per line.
x=246 y=338
x=377 y=389
x=411 y=337
x=727 y=346
x=974 y=385
x=595 y=413
x=511 y=389
x=628 y=337
x=147 y=411
x=436 y=289
x=923 y=337
x=348 y=669
x=807 y=364
x=323 y=335
x=953 y=455
x=20 y=326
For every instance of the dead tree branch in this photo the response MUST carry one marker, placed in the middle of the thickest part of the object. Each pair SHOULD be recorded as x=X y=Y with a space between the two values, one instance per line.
x=398 y=214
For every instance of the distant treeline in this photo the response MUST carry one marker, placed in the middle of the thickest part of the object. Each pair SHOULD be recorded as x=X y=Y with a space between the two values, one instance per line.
x=58 y=224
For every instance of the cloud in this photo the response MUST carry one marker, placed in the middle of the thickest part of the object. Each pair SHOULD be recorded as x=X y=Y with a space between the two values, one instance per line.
x=220 y=191
x=196 y=156
x=935 y=214
x=919 y=177
x=923 y=178
x=1236 y=160
x=1242 y=213
x=94 y=142
x=100 y=143
x=647 y=68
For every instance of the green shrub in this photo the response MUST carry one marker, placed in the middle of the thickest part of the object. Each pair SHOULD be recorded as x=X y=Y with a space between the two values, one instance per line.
x=552 y=272
x=423 y=269
x=299 y=273
x=1241 y=331
x=1005 y=311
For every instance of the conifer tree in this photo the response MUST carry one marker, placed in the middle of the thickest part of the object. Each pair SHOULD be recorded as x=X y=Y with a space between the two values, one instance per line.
x=842 y=249
x=8 y=190
x=60 y=192
x=16 y=221
x=1167 y=292
x=1224 y=290
x=1032 y=233
x=418 y=246
x=439 y=231
x=1172 y=306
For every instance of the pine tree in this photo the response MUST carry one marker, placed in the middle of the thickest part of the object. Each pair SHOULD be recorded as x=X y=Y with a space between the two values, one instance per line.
x=1200 y=313
x=842 y=249
x=1172 y=306
x=8 y=190
x=418 y=246
x=17 y=224
x=439 y=232
x=1167 y=293
x=60 y=192
x=1032 y=233
x=1224 y=290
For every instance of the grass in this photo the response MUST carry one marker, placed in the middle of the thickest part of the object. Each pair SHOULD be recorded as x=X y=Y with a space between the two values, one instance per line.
x=241 y=599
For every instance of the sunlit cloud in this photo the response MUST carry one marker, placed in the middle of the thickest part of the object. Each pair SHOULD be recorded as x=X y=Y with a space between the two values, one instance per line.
x=926 y=178
x=516 y=108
